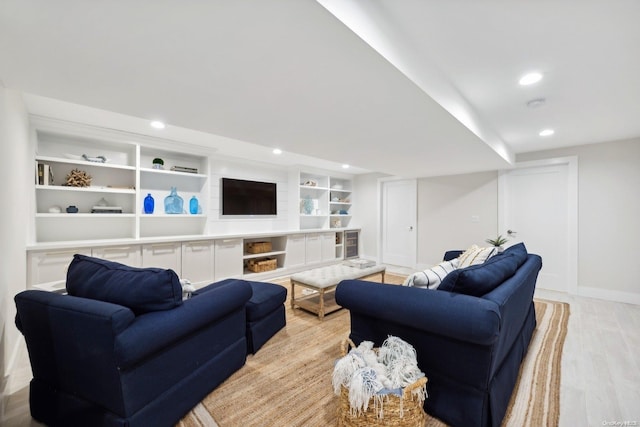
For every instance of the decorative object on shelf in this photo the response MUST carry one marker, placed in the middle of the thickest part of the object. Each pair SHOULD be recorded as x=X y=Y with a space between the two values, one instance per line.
x=193 y=205
x=102 y=202
x=335 y=199
x=336 y=223
x=149 y=204
x=106 y=209
x=78 y=178
x=310 y=183
x=173 y=203
x=158 y=163
x=343 y=212
x=184 y=169
x=262 y=264
x=55 y=209
x=306 y=205
x=337 y=186
x=72 y=209
x=95 y=159
x=258 y=247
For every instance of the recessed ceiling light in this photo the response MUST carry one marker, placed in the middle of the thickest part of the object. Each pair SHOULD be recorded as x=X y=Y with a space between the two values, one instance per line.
x=547 y=132
x=277 y=151
x=530 y=78
x=345 y=166
x=158 y=124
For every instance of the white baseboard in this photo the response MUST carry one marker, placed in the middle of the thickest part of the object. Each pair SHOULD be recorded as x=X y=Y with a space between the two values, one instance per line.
x=609 y=295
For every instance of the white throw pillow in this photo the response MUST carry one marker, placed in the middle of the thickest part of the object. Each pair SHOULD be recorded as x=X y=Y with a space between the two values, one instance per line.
x=476 y=255
x=431 y=277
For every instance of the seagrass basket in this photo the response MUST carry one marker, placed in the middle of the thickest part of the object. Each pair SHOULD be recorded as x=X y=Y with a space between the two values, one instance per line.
x=390 y=410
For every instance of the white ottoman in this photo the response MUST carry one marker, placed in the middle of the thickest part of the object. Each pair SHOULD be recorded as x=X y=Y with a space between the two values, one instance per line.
x=323 y=281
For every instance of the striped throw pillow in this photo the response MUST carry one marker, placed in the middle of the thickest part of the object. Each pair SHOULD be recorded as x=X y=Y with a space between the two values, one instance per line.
x=431 y=278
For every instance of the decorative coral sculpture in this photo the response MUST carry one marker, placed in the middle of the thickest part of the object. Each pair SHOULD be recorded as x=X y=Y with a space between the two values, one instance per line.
x=78 y=178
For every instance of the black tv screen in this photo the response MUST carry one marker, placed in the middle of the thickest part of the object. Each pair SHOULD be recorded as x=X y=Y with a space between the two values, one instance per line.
x=240 y=197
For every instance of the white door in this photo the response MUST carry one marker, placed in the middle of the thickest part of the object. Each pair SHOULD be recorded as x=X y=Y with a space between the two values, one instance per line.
x=398 y=222
x=537 y=207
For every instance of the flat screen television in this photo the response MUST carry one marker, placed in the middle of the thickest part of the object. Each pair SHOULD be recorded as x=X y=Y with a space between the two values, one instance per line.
x=241 y=197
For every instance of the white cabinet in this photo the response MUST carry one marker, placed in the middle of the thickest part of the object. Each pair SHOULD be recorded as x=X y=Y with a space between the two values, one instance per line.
x=130 y=255
x=163 y=255
x=296 y=251
x=228 y=258
x=197 y=262
x=313 y=249
x=328 y=243
x=117 y=174
x=48 y=270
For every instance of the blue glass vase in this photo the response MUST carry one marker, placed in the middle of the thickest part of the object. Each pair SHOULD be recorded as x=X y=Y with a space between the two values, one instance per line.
x=173 y=203
x=149 y=204
x=193 y=205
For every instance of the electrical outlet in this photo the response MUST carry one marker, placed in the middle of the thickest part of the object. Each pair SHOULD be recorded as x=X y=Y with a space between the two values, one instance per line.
x=475 y=218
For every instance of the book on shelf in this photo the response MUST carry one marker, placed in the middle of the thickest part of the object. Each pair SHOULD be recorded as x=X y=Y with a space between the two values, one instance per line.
x=44 y=174
x=184 y=169
x=106 y=209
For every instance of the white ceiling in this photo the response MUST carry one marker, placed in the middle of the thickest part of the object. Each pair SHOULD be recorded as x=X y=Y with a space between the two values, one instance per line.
x=406 y=87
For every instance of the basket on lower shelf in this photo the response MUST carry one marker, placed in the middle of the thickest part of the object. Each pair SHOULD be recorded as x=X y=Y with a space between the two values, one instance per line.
x=262 y=264
x=258 y=247
x=384 y=410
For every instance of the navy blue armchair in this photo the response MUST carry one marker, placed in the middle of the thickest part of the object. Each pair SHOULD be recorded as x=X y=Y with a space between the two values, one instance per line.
x=98 y=363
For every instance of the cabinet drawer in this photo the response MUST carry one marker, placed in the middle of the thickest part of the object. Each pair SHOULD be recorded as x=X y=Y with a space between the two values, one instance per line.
x=163 y=255
x=48 y=270
x=128 y=255
x=228 y=258
x=197 y=262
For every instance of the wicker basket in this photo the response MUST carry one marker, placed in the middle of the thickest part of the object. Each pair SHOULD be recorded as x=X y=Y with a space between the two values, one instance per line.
x=405 y=410
x=262 y=264
x=258 y=247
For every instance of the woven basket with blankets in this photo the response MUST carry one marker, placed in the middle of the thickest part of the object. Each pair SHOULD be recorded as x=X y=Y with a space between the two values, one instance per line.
x=379 y=385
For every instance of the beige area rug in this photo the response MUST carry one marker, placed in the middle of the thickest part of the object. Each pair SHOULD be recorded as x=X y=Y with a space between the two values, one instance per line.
x=288 y=382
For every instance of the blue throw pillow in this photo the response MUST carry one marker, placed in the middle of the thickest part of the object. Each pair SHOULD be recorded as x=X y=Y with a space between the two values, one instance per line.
x=480 y=279
x=140 y=289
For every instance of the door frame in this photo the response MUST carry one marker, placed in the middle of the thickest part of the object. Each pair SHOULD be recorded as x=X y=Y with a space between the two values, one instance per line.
x=380 y=203
x=572 y=208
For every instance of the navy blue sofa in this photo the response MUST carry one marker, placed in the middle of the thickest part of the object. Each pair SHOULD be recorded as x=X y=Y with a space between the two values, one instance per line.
x=469 y=346
x=123 y=349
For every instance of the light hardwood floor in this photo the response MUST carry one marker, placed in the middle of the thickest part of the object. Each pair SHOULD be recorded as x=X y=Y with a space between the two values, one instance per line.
x=600 y=367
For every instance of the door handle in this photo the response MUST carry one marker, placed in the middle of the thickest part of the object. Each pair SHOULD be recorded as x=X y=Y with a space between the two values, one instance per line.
x=411 y=228
x=511 y=232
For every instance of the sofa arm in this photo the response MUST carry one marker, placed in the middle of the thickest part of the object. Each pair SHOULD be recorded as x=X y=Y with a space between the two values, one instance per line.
x=460 y=317
x=152 y=332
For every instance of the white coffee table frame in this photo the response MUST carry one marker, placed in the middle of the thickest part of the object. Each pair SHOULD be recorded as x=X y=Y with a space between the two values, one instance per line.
x=323 y=281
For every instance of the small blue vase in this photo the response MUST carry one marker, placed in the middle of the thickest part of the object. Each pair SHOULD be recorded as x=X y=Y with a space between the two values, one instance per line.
x=149 y=204
x=173 y=203
x=193 y=205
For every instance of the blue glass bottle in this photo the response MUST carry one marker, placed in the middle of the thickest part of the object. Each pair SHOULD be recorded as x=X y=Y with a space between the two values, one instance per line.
x=173 y=203
x=149 y=204
x=193 y=205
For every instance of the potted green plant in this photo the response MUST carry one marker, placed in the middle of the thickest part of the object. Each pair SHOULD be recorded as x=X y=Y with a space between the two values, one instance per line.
x=497 y=242
x=158 y=163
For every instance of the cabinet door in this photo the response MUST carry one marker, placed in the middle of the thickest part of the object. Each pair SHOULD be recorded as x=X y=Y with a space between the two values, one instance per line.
x=48 y=270
x=197 y=262
x=313 y=249
x=328 y=246
x=295 y=251
x=129 y=255
x=228 y=258
x=163 y=255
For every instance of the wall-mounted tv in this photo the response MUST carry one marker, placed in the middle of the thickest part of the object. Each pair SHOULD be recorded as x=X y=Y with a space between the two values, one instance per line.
x=241 y=197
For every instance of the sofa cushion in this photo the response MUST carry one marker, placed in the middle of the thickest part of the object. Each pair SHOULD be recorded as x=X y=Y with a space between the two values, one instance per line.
x=140 y=289
x=480 y=279
x=431 y=277
x=476 y=255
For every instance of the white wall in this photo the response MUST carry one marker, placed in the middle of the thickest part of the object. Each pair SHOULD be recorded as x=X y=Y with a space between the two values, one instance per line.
x=455 y=212
x=15 y=173
x=608 y=212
